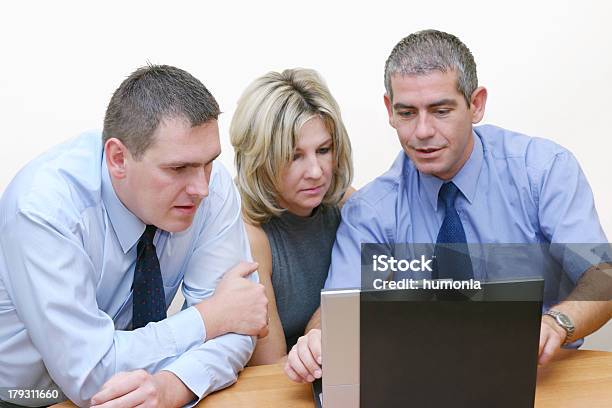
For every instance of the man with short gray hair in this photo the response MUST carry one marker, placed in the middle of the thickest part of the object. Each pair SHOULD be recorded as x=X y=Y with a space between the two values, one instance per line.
x=96 y=237
x=460 y=184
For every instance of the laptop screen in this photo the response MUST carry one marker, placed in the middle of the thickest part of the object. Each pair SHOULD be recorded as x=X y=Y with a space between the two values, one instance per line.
x=432 y=348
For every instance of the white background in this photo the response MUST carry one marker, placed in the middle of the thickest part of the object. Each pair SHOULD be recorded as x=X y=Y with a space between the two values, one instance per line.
x=547 y=66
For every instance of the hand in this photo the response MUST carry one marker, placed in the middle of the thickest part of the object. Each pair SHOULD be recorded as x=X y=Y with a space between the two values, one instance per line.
x=552 y=337
x=304 y=360
x=130 y=389
x=237 y=306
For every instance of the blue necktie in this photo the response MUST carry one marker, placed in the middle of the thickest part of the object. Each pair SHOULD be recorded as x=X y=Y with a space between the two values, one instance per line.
x=149 y=302
x=452 y=261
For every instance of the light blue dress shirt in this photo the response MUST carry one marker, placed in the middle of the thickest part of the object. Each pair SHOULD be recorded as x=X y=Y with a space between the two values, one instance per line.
x=67 y=257
x=515 y=189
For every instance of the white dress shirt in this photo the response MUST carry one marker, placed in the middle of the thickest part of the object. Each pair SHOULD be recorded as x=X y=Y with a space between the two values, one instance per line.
x=67 y=257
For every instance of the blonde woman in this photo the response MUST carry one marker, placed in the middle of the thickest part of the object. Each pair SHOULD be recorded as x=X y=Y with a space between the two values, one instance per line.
x=293 y=161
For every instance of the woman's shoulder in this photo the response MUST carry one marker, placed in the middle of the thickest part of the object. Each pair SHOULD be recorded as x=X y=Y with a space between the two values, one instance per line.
x=335 y=210
x=260 y=246
x=253 y=229
x=347 y=194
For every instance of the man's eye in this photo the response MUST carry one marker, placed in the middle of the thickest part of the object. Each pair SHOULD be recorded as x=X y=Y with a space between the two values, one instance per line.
x=442 y=112
x=178 y=168
x=405 y=114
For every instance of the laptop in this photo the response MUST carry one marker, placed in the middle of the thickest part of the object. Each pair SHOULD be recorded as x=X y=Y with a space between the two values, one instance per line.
x=431 y=348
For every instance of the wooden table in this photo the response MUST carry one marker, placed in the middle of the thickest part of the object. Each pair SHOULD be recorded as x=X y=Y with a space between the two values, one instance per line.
x=579 y=379
x=262 y=386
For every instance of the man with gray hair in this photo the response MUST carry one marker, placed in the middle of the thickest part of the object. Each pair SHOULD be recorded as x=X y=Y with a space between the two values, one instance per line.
x=460 y=184
x=96 y=237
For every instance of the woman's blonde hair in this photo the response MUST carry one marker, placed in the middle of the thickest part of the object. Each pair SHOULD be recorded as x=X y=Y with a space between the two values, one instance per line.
x=265 y=129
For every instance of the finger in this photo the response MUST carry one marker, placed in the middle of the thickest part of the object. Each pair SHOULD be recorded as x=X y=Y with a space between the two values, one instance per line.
x=298 y=366
x=543 y=337
x=314 y=344
x=263 y=332
x=242 y=270
x=551 y=346
x=309 y=361
x=131 y=399
x=293 y=376
x=119 y=384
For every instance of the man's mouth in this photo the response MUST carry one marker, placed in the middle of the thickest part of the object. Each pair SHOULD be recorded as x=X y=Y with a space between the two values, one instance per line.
x=186 y=209
x=428 y=152
x=427 y=149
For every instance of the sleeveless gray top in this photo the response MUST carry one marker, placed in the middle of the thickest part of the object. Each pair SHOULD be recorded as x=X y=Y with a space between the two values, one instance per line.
x=301 y=253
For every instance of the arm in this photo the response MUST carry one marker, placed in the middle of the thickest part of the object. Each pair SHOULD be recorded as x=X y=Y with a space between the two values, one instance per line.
x=568 y=219
x=238 y=299
x=273 y=347
x=315 y=321
x=136 y=388
x=360 y=224
x=585 y=307
x=308 y=346
x=53 y=285
x=139 y=353
x=221 y=244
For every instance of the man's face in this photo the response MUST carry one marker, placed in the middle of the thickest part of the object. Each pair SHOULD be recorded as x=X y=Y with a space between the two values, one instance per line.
x=167 y=184
x=433 y=121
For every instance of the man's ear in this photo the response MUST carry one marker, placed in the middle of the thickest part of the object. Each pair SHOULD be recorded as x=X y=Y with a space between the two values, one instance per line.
x=116 y=154
x=389 y=106
x=478 y=102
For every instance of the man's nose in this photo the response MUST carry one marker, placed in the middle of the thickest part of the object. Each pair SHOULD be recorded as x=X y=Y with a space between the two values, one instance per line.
x=198 y=183
x=424 y=128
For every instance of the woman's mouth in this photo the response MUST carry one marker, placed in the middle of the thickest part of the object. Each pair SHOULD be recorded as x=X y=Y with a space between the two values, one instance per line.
x=312 y=191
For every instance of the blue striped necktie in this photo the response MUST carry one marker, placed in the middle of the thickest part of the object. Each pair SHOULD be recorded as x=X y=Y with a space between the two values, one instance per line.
x=149 y=302
x=451 y=261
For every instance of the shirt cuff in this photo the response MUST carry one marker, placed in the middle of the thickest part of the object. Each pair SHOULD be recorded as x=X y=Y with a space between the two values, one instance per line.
x=199 y=384
x=187 y=329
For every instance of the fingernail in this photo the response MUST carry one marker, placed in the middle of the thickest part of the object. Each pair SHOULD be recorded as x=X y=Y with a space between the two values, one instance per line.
x=319 y=360
x=317 y=373
x=310 y=378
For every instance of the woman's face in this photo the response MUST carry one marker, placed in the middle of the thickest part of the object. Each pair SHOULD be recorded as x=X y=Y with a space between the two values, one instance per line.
x=306 y=179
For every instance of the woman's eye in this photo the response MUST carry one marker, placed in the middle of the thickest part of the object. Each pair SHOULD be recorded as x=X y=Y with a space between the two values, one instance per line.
x=324 y=150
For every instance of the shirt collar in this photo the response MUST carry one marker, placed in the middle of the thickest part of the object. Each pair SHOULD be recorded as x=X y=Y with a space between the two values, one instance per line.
x=466 y=179
x=127 y=226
